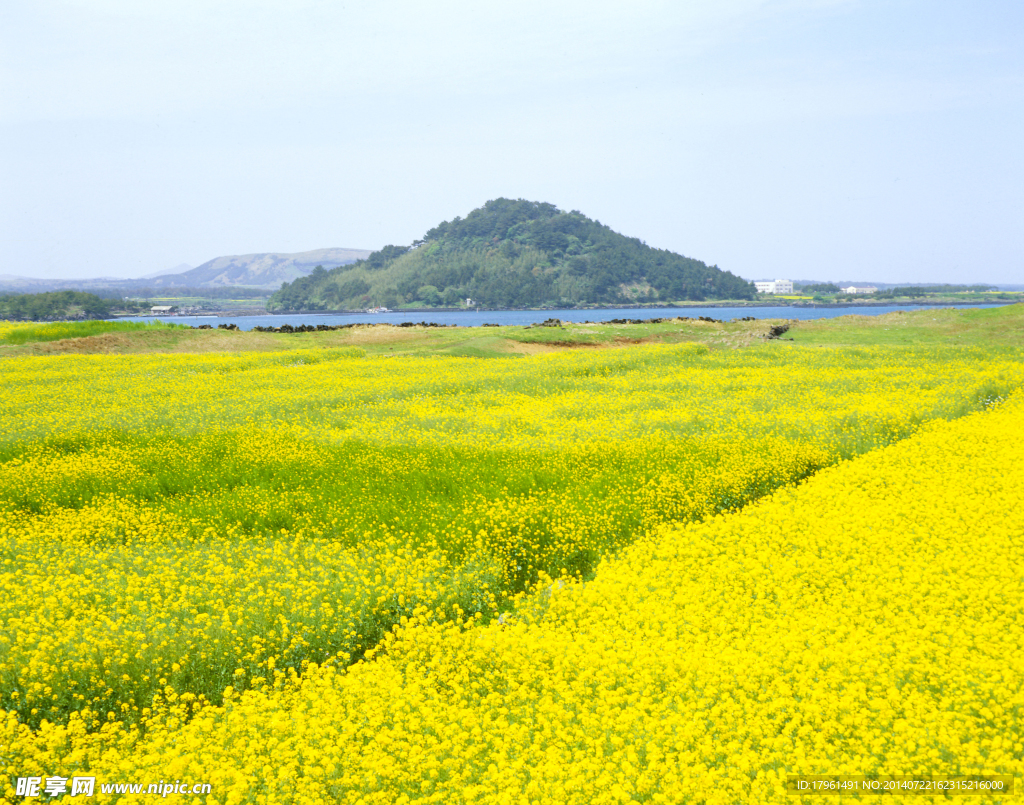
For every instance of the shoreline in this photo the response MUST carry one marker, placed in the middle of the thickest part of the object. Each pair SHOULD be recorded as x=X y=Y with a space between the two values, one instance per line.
x=753 y=305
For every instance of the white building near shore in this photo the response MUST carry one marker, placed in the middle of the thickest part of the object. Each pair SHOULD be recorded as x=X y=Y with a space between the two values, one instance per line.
x=778 y=286
x=859 y=289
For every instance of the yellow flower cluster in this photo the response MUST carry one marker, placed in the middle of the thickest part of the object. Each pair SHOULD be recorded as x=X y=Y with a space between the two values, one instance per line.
x=52 y=331
x=16 y=333
x=840 y=399
x=214 y=539
x=864 y=622
x=101 y=628
x=8 y=327
x=199 y=589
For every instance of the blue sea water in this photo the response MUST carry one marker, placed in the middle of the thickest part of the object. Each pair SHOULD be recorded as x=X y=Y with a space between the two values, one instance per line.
x=470 y=318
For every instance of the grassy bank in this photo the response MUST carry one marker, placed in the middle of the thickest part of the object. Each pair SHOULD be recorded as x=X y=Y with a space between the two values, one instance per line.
x=1002 y=326
x=19 y=334
x=977 y=327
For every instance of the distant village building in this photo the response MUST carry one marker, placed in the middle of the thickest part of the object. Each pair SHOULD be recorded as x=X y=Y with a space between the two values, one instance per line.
x=157 y=310
x=859 y=289
x=778 y=286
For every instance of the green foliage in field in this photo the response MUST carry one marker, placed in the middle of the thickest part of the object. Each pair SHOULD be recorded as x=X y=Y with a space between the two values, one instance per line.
x=983 y=328
x=56 y=331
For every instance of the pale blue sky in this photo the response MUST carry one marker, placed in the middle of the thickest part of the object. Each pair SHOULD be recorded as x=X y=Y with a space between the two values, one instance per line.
x=830 y=139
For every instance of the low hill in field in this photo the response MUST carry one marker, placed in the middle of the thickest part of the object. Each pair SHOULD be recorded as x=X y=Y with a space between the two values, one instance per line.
x=513 y=254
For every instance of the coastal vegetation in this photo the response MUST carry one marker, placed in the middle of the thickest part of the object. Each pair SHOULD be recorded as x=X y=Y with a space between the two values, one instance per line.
x=231 y=299
x=942 y=294
x=512 y=254
x=659 y=562
x=67 y=305
x=925 y=290
x=54 y=305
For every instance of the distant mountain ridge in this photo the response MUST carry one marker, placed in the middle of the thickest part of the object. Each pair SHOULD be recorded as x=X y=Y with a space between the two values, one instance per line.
x=181 y=268
x=513 y=253
x=267 y=270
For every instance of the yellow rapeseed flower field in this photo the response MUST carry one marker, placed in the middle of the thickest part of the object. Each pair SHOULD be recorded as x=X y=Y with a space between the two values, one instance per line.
x=206 y=555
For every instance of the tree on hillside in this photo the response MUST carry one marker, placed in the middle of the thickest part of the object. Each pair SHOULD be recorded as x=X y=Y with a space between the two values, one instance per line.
x=519 y=253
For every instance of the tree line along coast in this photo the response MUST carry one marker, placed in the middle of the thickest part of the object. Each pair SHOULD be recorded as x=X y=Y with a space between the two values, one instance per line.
x=70 y=305
x=83 y=306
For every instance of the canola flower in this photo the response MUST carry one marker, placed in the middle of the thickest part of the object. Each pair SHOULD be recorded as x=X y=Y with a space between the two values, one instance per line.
x=7 y=327
x=25 y=332
x=845 y=400
x=194 y=590
x=183 y=530
x=864 y=622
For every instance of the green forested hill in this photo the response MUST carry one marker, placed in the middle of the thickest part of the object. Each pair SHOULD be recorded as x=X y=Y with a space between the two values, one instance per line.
x=513 y=254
